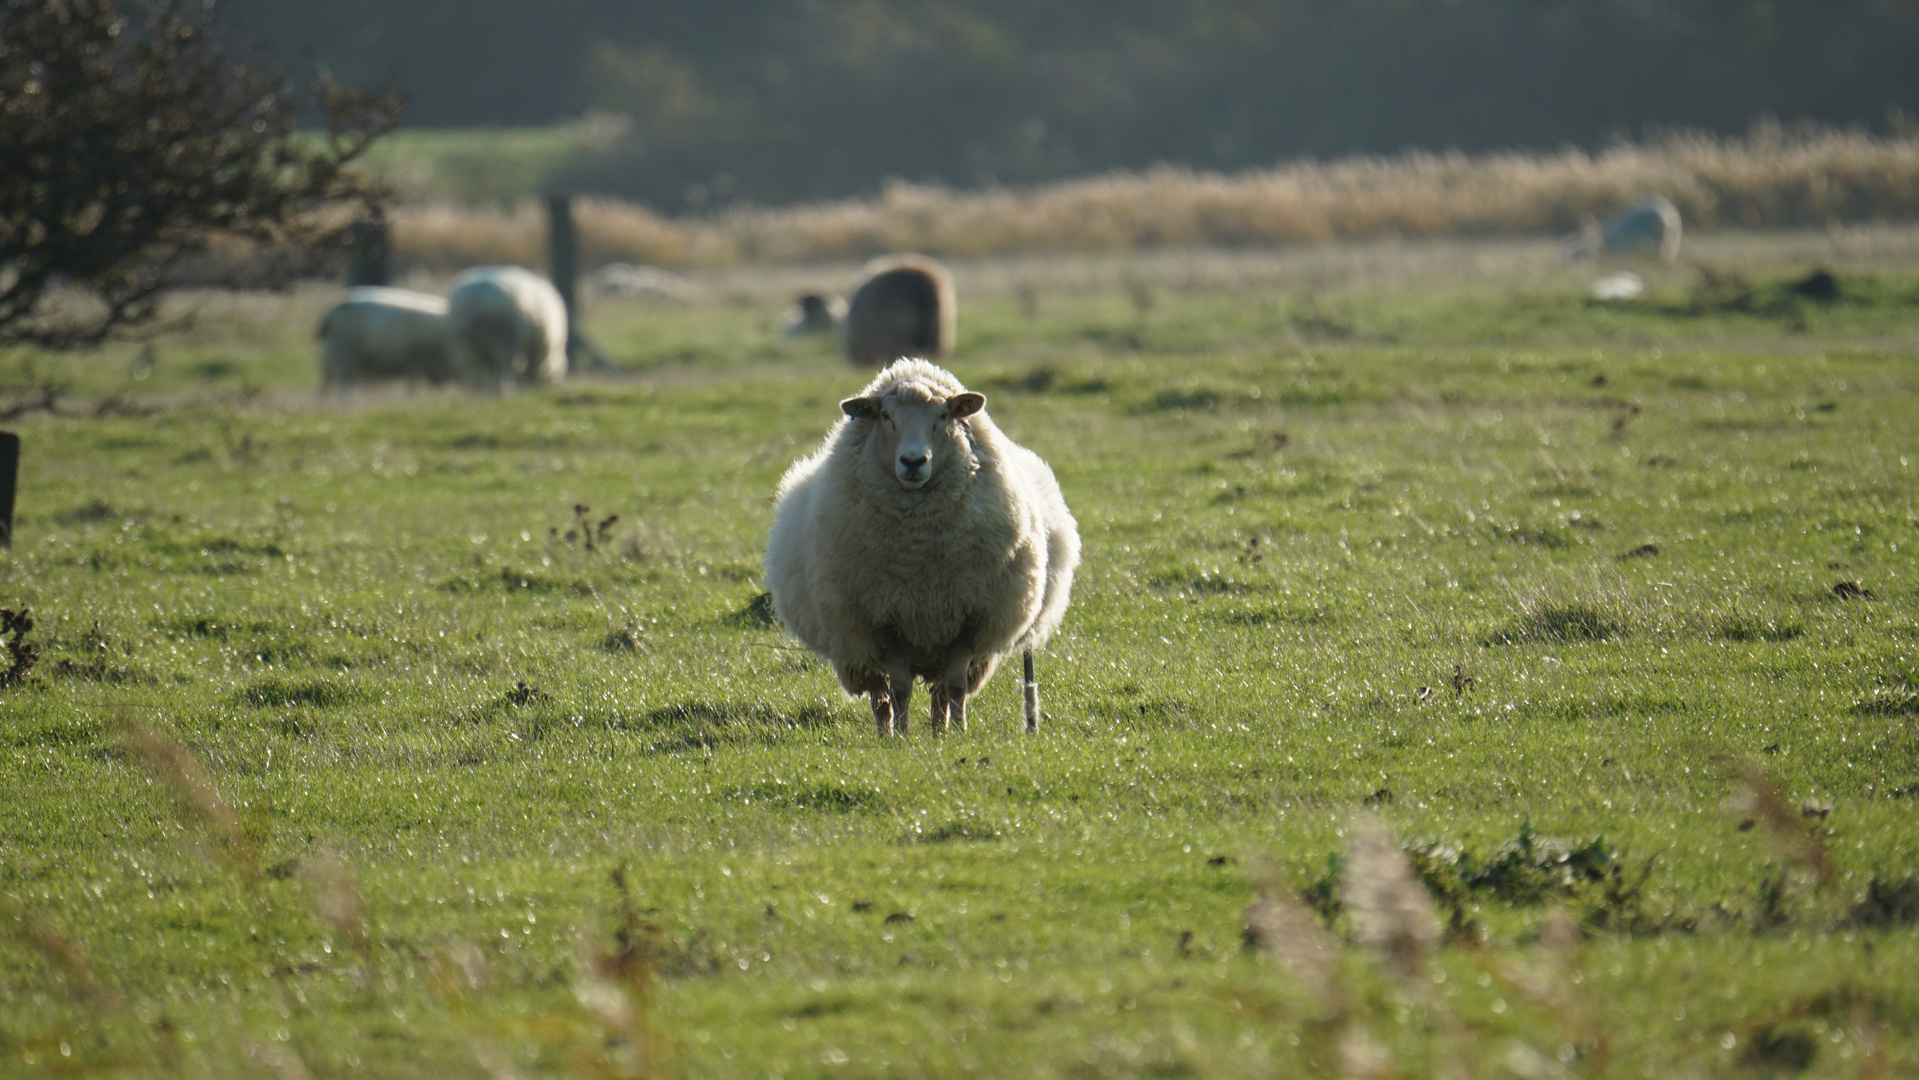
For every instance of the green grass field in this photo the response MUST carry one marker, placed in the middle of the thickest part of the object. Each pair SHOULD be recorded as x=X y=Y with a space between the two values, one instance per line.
x=346 y=755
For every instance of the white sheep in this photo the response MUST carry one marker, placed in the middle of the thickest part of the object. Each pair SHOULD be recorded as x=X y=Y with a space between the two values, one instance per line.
x=505 y=322
x=920 y=541
x=1648 y=227
x=905 y=307
x=378 y=333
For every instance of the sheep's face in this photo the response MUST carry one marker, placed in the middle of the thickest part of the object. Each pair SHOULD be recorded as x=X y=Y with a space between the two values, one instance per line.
x=914 y=433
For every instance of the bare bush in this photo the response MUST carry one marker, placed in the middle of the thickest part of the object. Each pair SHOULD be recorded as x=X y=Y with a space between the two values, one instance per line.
x=135 y=143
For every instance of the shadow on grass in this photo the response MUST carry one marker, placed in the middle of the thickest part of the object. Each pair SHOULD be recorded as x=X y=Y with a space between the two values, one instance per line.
x=946 y=832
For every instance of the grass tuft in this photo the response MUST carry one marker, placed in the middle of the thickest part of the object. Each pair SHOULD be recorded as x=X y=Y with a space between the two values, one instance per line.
x=1556 y=622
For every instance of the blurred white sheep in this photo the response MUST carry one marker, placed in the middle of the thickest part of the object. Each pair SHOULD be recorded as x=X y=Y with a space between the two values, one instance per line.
x=505 y=324
x=379 y=334
x=1648 y=227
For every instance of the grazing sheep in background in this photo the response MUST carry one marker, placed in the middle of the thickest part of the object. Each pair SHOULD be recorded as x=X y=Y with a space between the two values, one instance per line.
x=920 y=541
x=378 y=333
x=626 y=279
x=1649 y=226
x=907 y=307
x=813 y=313
x=505 y=322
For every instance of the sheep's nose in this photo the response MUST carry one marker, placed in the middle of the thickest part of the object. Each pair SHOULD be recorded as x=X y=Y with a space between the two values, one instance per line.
x=914 y=462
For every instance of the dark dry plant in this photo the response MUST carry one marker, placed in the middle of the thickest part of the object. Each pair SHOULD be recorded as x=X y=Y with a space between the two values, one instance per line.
x=21 y=653
x=585 y=533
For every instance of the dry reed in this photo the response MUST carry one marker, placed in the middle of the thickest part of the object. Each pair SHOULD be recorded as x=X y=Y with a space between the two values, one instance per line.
x=197 y=798
x=62 y=955
x=1392 y=915
x=1773 y=177
x=1797 y=839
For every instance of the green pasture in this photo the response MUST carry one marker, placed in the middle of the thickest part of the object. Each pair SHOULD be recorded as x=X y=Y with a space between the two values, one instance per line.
x=353 y=748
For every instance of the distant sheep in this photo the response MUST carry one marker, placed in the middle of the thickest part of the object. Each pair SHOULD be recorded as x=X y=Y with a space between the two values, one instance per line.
x=919 y=541
x=907 y=307
x=626 y=279
x=506 y=323
x=813 y=313
x=378 y=334
x=1648 y=227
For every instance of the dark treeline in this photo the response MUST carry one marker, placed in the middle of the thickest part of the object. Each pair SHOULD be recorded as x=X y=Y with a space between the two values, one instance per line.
x=781 y=100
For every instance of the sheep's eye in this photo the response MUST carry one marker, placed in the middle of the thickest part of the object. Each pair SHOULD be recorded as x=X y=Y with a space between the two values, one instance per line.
x=887 y=416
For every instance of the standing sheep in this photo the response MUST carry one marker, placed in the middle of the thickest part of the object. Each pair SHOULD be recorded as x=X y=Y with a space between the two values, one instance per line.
x=907 y=307
x=920 y=541
x=378 y=333
x=505 y=322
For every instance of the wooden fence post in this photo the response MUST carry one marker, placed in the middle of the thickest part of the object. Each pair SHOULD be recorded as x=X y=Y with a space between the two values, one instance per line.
x=9 y=478
x=563 y=270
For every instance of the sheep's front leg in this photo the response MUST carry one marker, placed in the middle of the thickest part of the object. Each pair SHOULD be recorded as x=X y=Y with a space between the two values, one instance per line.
x=882 y=711
x=899 y=686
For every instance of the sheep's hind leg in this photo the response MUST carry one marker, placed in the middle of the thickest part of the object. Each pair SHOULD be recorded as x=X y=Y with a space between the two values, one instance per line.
x=936 y=717
x=1029 y=690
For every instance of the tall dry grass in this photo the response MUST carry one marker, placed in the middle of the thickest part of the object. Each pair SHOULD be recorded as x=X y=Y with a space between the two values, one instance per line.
x=1774 y=177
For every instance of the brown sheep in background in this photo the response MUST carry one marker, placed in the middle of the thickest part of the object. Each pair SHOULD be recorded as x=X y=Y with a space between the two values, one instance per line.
x=907 y=307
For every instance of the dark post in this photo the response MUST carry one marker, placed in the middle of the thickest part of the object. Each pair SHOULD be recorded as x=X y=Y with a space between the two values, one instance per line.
x=368 y=252
x=563 y=269
x=9 y=476
x=563 y=263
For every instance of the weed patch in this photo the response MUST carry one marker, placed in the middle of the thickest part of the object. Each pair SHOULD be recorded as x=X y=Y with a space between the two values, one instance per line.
x=290 y=693
x=962 y=830
x=829 y=798
x=1889 y=901
x=1757 y=628
x=756 y=615
x=1556 y=622
x=22 y=654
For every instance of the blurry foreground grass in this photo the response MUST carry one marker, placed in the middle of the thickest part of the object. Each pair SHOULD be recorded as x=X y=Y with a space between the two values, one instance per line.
x=427 y=736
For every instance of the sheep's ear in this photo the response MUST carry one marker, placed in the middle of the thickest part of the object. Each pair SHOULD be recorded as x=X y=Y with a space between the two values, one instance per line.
x=963 y=405
x=857 y=407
